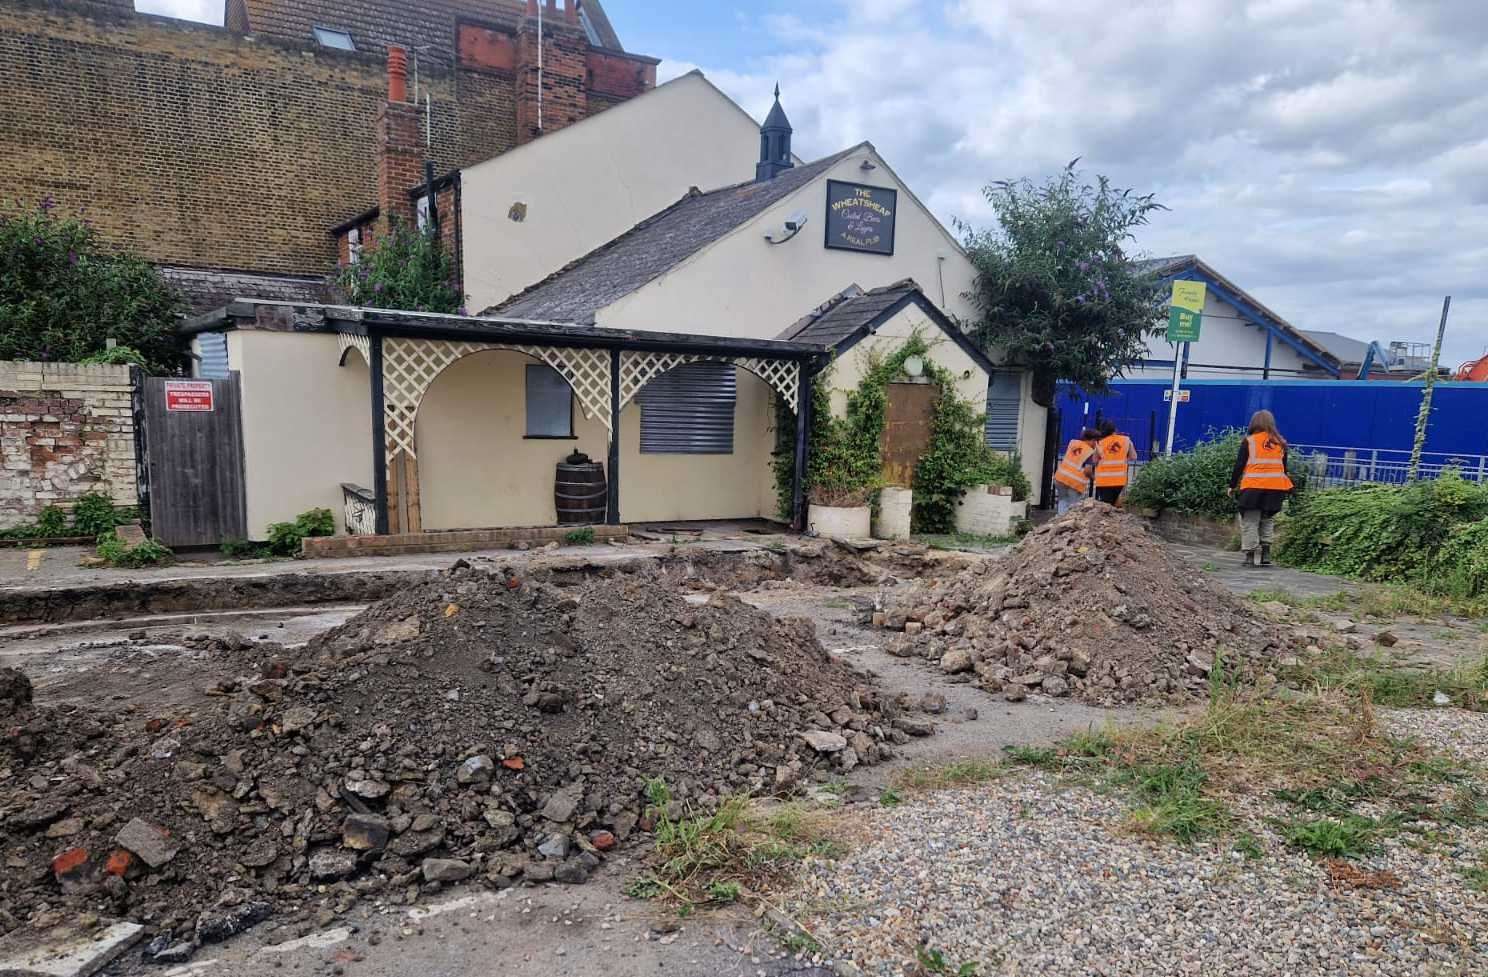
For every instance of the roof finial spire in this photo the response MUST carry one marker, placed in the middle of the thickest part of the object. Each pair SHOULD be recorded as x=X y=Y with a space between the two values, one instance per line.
x=777 y=91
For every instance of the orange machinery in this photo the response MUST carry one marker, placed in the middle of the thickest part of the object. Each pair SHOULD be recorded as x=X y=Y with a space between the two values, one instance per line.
x=1473 y=370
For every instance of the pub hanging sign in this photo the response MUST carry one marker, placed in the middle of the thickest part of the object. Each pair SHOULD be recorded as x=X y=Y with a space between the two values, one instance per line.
x=860 y=217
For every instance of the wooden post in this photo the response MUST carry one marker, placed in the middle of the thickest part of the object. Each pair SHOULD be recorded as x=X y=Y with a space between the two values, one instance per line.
x=415 y=521
x=612 y=508
x=803 y=433
x=379 y=435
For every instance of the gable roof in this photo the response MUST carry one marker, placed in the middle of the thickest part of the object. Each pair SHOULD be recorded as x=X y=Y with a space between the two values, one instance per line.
x=576 y=292
x=852 y=315
x=1346 y=348
x=1193 y=268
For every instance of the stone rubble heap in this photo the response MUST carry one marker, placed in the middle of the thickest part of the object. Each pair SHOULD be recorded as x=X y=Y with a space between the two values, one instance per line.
x=475 y=726
x=1090 y=605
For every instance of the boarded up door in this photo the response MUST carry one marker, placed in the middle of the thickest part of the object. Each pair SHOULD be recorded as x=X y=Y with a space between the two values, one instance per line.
x=194 y=451
x=906 y=436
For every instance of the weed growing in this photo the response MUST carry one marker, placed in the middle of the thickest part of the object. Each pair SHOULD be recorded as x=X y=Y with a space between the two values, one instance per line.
x=959 y=773
x=1350 y=836
x=579 y=537
x=1386 y=683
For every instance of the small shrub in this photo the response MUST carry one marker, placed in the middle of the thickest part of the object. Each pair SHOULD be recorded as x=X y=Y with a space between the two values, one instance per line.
x=52 y=522
x=580 y=537
x=116 y=356
x=1347 y=837
x=93 y=514
x=285 y=537
x=117 y=553
x=239 y=549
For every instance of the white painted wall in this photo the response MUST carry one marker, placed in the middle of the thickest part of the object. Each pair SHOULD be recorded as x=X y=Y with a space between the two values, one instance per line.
x=592 y=181
x=742 y=286
x=1226 y=341
x=307 y=423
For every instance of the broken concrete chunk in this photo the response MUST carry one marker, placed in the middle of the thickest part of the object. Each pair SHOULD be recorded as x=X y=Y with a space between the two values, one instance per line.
x=445 y=870
x=332 y=863
x=153 y=844
x=824 y=742
x=476 y=770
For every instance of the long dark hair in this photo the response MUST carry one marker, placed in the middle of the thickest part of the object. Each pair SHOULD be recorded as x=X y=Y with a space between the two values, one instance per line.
x=1264 y=422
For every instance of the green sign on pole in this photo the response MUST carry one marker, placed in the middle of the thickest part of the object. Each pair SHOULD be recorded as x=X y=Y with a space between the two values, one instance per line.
x=1186 y=314
x=1183 y=325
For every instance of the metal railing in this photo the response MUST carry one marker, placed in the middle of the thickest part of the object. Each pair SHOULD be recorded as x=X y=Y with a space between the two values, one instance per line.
x=359 y=506
x=1334 y=466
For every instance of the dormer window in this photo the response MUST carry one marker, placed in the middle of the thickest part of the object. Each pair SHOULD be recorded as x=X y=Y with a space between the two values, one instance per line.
x=332 y=38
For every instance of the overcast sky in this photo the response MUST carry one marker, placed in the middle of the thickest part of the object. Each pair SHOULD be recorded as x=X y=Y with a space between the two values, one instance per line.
x=1329 y=156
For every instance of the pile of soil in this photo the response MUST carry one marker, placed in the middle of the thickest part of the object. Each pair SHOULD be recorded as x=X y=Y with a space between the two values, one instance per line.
x=477 y=725
x=1090 y=605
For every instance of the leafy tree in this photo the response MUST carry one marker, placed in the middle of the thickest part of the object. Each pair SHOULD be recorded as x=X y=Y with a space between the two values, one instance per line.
x=405 y=269
x=1056 y=289
x=62 y=297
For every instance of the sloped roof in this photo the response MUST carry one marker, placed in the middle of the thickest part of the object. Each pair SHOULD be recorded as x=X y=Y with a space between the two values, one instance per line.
x=1345 y=348
x=576 y=292
x=1245 y=303
x=211 y=288
x=846 y=318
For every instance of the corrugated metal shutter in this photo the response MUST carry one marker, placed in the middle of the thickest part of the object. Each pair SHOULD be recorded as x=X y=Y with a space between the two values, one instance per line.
x=212 y=346
x=1004 y=397
x=689 y=410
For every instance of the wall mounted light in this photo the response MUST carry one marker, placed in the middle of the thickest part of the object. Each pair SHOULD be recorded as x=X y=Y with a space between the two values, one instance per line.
x=914 y=366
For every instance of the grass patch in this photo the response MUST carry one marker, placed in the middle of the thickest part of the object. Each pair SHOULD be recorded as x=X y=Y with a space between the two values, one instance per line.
x=1385 y=683
x=716 y=857
x=1350 y=836
x=1171 y=801
x=1379 y=601
x=959 y=773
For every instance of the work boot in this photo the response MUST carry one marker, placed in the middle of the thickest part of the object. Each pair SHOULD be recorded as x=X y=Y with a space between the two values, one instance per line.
x=1265 y=554
x=1250 y=558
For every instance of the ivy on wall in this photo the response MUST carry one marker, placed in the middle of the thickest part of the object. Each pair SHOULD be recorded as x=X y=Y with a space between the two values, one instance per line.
x=845 y=463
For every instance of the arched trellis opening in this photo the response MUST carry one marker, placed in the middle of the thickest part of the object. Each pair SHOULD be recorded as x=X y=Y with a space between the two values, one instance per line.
x=604 y=378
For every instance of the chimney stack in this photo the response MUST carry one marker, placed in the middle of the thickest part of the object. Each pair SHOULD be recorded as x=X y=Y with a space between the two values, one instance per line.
x=552 y=69
x=400 y=148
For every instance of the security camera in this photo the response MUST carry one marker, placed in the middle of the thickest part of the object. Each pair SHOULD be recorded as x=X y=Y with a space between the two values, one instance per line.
x=791 y=227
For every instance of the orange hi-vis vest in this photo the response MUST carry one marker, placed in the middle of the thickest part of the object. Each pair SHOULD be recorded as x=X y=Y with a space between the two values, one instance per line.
x=1112 y=468
x=1071 y=471
x=1266 y=466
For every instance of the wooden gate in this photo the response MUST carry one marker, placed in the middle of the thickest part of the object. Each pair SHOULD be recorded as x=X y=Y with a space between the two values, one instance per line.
x=193 y=436
x=908 y=417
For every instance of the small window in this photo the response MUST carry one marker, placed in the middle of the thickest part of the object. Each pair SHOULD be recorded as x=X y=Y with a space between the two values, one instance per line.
x=332 y=38
x=689 y=410
x=1004 y=402
x=422 y=212
x=549 y=403
x=354 y=245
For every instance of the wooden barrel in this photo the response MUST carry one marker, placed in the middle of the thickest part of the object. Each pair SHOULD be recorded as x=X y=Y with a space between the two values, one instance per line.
x=580 y=494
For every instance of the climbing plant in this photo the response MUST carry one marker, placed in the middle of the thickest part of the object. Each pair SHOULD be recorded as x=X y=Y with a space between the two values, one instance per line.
x=845 y=462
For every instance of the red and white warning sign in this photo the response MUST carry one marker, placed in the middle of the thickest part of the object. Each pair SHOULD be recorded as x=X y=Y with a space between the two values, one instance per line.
x=188 y=395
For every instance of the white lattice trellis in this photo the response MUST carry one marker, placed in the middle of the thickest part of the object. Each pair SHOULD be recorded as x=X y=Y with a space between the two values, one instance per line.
x=638 y=369
x=409 y=366
x=346 y=340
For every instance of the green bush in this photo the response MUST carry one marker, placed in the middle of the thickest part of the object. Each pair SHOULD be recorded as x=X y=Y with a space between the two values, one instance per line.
x=117 y=553
x=63 y=296
x=52 y=522
x=285 y=537
x=241 y=549
x=93 y=514
x=1195 y=481
x=958 y=459
x=405 y=269
x=116 y=356
x=1425 y=533
x=580 y=537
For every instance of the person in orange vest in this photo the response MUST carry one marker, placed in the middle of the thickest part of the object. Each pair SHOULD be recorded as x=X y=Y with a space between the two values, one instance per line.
x=1072 y=477
x=1260 y=485
x=1114 y=455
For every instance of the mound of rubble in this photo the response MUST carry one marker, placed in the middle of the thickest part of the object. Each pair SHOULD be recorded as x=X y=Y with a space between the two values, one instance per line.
x=474 y=726
x=1091 y=605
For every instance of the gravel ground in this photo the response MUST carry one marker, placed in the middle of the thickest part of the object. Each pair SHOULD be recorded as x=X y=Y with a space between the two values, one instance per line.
x=1028 y=876
x=1463 y=734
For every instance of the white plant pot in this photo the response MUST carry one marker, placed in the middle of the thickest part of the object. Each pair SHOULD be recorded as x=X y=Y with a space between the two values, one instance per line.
x=894 y=508
x=986 y=510
x=840 y=522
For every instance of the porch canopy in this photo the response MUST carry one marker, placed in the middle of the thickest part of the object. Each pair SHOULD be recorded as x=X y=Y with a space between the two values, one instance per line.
x=606 y=368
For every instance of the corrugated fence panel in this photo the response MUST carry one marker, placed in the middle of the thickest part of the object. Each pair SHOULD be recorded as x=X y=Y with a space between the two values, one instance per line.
x=1004 y=398
x=689 y=410
x=1353 y=414
x=213 y=349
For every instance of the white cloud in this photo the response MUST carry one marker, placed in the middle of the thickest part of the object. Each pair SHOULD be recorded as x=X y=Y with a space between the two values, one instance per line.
x=1328 y=155
x=202 y=11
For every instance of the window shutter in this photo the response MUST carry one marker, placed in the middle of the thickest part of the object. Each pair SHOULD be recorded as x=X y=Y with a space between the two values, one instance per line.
x=689 y=410
x=1004 y=398
x=213 y=348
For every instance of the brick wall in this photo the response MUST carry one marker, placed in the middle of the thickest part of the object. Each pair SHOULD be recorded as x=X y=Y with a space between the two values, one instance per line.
x=198 y=146
x=65 y=430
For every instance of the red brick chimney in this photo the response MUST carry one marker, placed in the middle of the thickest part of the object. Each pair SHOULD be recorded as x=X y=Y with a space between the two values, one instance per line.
x=400 y=145
x=552 y=72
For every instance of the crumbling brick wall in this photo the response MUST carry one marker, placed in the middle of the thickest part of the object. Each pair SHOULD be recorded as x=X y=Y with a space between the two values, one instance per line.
x=65 y=429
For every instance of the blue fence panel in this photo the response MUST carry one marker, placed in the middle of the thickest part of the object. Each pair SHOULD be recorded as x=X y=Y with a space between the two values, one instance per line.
x=1347 y=414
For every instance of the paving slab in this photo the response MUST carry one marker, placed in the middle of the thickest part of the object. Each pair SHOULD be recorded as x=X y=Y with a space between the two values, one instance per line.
x=67 y=951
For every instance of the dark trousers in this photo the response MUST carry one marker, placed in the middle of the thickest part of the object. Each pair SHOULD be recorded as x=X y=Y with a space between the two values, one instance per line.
x=1109 y=495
